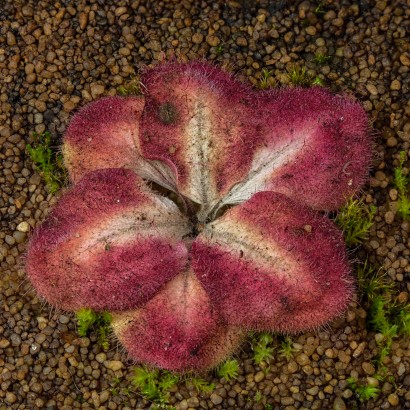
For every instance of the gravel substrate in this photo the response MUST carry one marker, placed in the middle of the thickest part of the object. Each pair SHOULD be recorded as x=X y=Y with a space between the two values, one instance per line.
x=57 y=56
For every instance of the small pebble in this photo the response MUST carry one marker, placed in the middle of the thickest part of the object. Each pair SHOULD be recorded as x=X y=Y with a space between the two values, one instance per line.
x=241 y=41
x=197 y=38
x=313 y=390
x=101 y=357
x=405 y=59
x=359 y=350
x=389 y=217
x=213 y=40
x=395 y=85
x=302 y=359
x=113 y=365
x=4 y=343
x=10 y=397
x=372 y=89
x=292 y=367
x=216 y=399
x=339 y=404
x=343 y=357
x=368 y=368
x=311 y=30
x=96 y=89
x=393 y=399
x=193 y=402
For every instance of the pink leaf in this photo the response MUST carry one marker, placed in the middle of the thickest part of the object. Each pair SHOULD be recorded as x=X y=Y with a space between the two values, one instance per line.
x=106 y=134
x=110 y=243
x=272 y=264
x=178 y=329
x=196 y=119
x=314 y=147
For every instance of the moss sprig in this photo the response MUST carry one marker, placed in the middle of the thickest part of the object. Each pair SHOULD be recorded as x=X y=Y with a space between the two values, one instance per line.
x=48 y=160
x=401 y=182
x=286 y=348
x=364 y=392
x=228 y=369
x=262 y=347
x=88 y=320
x=155 y=385
x=355 y=219
x=388 y=316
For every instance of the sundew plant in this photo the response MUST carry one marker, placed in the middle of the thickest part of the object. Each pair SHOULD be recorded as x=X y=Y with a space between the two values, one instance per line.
x=197 y=213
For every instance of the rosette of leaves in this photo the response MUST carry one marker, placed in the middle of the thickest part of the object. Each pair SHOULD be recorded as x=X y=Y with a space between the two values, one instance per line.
x=194 y=213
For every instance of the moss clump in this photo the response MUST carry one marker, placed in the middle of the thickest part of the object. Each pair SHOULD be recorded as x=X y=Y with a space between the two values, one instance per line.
x=401 y=181
x=155 y=385
x=389 y=314
x=88 y=321
x=132 y=87
x=262 y=348
x=364 y=392
x=228 y=369
x=299 y=76
x=355 y=219
x=48 y=160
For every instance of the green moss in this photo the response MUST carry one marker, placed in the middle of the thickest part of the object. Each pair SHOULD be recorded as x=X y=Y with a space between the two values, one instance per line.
x=200 y=384
x=286 y=348
x=219 y=49
x=318 y=81
x=115 y=387
x=257 y=397
x=88 y=320
x=319 y=10
x=132 y=87
x=401 y=182
x=299 y=76
x=364 y=392
x=355 y=219
x=372 y=282
x=262 y=348
x=387 y=316
x=229 y=369
x=155 y=385
x=266 y=81
x=321 y=58
x=381 y=321
x=48 y=160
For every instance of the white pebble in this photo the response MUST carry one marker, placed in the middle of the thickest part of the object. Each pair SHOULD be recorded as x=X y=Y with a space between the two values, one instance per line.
x=23 y=227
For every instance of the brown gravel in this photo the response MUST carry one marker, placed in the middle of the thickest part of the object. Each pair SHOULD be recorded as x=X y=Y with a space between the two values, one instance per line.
x=57 y=56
